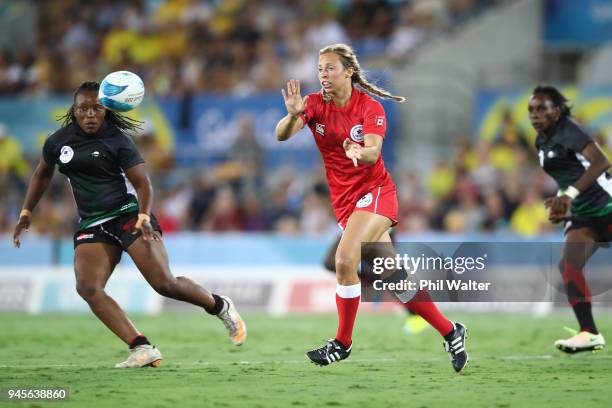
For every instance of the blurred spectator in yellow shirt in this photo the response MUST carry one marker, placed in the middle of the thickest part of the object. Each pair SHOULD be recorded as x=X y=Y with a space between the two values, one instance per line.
x=530 y=217
x=508 y=143
x=12 y=160
x=441 y=180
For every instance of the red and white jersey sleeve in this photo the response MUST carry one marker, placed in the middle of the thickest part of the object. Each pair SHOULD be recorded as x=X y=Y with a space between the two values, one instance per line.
x=312 y=104
x=374 y=120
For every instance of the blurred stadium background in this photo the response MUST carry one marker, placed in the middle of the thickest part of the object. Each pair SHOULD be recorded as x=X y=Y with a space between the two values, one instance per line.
x=250 y=216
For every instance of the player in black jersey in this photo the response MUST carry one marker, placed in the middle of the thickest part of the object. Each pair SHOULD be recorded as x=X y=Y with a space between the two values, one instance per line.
x=114 y=197
x=584 y=202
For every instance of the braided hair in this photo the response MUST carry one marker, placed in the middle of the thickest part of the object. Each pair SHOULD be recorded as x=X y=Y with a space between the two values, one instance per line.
x=555 y=97
x=349 y=60
x=122 y=122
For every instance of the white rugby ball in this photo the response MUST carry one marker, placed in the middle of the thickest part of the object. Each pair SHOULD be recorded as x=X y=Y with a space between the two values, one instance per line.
x=121 y=91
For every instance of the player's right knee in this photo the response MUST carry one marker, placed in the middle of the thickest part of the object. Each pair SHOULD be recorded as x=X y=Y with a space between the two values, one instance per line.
x=345 y=265
x=88 y=291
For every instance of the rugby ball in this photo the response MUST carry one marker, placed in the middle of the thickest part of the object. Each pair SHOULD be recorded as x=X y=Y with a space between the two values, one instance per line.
x=121 y=91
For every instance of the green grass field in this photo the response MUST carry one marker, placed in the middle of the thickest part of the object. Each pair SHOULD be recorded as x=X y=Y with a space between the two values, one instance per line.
x=512 y=364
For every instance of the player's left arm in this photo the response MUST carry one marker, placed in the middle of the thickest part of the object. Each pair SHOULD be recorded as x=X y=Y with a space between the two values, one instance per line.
x=374 y=128
x=559 y=206
x=599 y=164
x=366 y=154
x=137 y=175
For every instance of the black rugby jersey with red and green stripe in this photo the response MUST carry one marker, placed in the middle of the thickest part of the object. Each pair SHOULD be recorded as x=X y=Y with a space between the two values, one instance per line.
x=95 y=165
x=560 y=155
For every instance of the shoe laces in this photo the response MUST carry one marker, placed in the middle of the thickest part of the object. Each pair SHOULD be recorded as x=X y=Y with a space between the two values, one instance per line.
x=328 y=348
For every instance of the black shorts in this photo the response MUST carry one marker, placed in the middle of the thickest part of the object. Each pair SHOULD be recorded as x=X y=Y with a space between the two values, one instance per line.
x=117 y=231
x=601 y=225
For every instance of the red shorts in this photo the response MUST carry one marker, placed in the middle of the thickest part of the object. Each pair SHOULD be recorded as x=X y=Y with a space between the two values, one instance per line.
x=380 y=200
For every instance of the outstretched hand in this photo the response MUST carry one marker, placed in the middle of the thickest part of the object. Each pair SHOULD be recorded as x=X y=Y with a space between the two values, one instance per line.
x=294 y=102
x=22 y=225
x=353 y=151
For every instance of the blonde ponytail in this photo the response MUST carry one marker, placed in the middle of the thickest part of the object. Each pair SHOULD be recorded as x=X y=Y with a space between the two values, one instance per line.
x=349 y=60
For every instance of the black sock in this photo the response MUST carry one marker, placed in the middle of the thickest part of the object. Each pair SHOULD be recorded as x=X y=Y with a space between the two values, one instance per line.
x=585 y=317
x=342 y=344
x=449 y=336
x=219 y=304
x=140 y=340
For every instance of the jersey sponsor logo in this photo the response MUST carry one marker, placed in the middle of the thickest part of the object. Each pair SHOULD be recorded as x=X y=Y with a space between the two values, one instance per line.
x=84 y=236
x=551 y=154
x=95 y=154
x=380 y=120
x=357 y=133
x=319 y=128
x=66 y=154
x=365 y=201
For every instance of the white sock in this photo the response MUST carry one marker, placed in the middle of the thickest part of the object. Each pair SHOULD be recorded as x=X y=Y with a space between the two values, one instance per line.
x=347 y=292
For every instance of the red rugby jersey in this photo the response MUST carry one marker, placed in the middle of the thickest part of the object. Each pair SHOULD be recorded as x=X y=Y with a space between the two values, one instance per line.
x=330 y=125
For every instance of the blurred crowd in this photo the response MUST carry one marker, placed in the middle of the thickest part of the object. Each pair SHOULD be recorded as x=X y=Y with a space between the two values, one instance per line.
x=182 y=47
x=191 y=46
x=487 y=186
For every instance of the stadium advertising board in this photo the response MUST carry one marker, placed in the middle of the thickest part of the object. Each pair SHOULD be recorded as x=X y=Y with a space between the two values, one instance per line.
x=592 y=106
x=578 y=24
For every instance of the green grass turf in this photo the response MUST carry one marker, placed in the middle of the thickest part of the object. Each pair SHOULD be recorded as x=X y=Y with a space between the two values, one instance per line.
x=386 y=369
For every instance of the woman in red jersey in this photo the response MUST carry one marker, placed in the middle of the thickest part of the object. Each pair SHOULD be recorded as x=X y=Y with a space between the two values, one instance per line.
x=349 y=128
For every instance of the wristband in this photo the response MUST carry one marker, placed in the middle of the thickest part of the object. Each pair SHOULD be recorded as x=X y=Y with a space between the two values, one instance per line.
x=144 y=217
x=25 y=213
x=572 y=192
